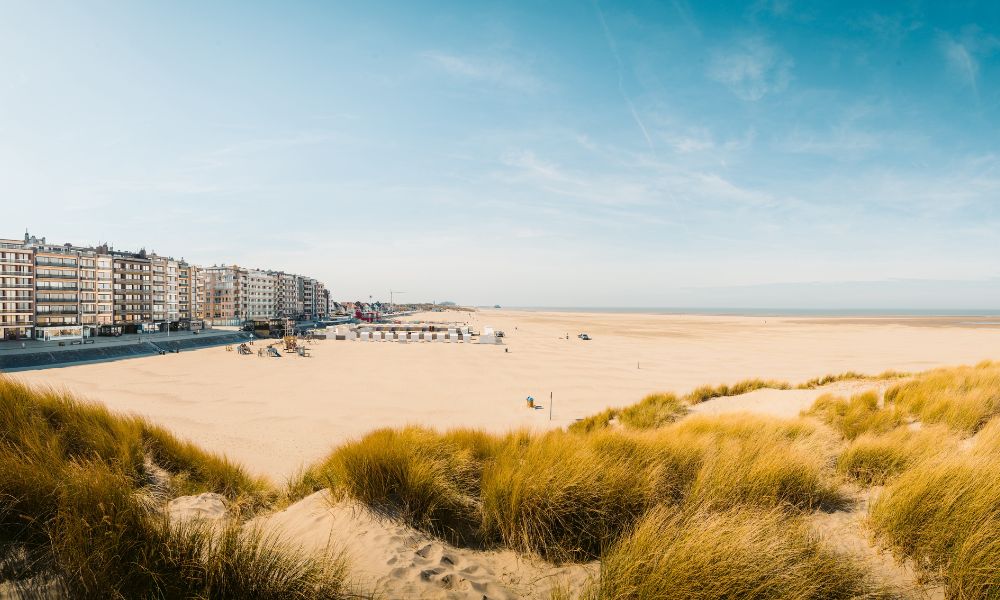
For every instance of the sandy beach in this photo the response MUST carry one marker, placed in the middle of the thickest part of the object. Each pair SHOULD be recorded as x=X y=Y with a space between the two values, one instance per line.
x=275 y=415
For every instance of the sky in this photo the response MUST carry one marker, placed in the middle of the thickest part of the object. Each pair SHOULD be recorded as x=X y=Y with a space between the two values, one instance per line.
x=543 y=153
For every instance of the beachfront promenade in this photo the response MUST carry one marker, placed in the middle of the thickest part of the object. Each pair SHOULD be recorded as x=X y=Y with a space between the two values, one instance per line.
x=35 y=354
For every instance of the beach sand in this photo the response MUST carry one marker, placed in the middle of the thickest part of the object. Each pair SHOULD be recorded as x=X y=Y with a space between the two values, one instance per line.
x=276 y=415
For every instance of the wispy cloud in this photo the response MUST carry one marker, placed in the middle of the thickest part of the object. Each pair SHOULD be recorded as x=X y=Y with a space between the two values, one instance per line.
x=960 y=60
x=495 y=71
x=752 y=69
x=964 y=51
x=613 y=46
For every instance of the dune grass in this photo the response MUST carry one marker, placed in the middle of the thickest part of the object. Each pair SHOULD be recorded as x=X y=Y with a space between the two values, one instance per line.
x=963 y=398
x=707 y=392
x=430 y=480
x=873 y=459
x=655 y=410
x=849 y=376
x=945 y=515
x=80 y=511
x=857 y=415
x=739 y=553
x=736 y=553
x=565 y=495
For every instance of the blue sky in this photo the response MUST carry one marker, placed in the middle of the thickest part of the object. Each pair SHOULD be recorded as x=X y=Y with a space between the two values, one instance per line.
x=777 y=154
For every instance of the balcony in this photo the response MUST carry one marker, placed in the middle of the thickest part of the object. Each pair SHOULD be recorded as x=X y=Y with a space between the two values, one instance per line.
x=40 y=275
x=64 y=287
x=65 y=311
x=15 y=261
x=13 y=273
x=43 y=262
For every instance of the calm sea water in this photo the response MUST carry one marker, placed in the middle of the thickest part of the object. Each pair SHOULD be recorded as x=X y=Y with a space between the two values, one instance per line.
x=772 y=312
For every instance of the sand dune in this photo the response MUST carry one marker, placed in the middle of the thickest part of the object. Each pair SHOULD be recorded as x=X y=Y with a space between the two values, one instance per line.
x=274 y=415
x=400 y=562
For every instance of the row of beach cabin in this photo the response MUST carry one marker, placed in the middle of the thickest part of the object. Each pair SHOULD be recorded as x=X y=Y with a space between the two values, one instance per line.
x=455 y=335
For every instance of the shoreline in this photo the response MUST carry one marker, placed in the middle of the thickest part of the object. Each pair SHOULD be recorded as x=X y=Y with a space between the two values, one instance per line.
x=897 y=313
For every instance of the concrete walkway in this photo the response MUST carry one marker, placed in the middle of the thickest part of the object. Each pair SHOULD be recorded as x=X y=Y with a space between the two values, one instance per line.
x=32 y=346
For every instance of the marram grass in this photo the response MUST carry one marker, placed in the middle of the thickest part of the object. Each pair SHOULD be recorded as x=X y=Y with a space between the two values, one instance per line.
x=566 y=496
x=79 y=516
x=737 y=553
x=945 y=515
x=963 y=398
x=874 y=459
x=857 y=415
x=655 y=410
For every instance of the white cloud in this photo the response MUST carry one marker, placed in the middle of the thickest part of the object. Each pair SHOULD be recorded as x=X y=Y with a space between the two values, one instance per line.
x=493 y=71
x=752 y=70
x=960 y=60
x=964 y=51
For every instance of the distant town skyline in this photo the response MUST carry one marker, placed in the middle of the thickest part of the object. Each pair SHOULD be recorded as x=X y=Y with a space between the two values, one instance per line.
x=762 y=153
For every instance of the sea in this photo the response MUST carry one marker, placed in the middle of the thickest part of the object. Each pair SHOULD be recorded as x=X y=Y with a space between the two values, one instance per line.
x=988 y=313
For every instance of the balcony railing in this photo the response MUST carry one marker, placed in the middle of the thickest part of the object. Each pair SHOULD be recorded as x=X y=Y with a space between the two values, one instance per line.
x=42 y=262
x=66 y=311
x=41 y=275
x=65 y=287
x=15 y=261
x=56 y=299
x=13 y=273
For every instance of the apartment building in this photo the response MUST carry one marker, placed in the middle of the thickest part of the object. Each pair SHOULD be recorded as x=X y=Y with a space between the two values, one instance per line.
x=322 y=301
x=190 y=291
x=96 y=293
x=309 y=298
x=50 y=292
x=261 y=294
x=225 y=293
x=133 y=291
x=17 y=290
x=166 y=291
x=57 y=292
x=287 y=304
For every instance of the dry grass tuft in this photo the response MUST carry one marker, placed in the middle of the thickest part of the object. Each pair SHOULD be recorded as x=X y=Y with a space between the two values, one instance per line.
x=964 y=398
x=565 y=495
x=77 y=512
x=655 y=410
x=875 y=459
x=861 y=414
x=849 y=376
x=741 y=553
x=707 y=392
x=945 y=515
